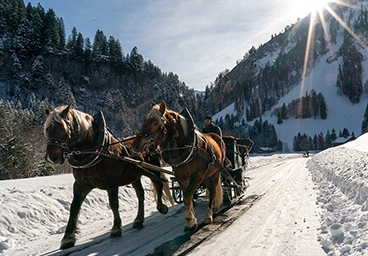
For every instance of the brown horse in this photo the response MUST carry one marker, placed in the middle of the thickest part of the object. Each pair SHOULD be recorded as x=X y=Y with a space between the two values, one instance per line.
x=172 y=133
x=71 y=133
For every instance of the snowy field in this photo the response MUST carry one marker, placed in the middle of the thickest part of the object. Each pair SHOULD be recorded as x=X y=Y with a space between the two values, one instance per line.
x=308 y=206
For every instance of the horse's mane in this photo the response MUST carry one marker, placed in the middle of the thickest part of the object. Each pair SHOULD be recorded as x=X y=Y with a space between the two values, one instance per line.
x=168 y=115
x=78 y=120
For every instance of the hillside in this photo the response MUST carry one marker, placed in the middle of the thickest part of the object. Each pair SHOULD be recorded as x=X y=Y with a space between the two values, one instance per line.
x=40 y=67
x=271 y=76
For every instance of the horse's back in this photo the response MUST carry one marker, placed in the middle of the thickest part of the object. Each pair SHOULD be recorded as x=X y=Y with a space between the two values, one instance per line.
x=215 y=140
x=216 y=143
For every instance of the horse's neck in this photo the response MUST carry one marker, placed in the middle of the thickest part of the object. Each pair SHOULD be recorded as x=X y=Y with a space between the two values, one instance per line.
x=82 y=140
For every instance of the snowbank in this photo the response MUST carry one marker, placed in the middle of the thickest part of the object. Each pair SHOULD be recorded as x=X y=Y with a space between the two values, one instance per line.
x=341 y=175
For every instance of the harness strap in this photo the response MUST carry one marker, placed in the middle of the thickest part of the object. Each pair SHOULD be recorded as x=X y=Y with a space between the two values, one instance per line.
x=203 y=153
x=149 y=174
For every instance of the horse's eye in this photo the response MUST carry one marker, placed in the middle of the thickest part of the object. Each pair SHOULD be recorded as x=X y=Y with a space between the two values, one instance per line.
x=155 y=124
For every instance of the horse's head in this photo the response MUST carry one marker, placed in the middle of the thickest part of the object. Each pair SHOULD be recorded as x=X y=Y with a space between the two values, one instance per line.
x=153 y=128
x=57 y=133
x=64 y=127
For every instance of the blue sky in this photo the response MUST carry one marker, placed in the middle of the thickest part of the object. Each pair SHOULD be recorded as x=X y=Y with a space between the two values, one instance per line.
x=194 y=39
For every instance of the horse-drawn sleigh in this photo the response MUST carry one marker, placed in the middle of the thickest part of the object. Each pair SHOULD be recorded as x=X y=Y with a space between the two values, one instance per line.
x=100 y=160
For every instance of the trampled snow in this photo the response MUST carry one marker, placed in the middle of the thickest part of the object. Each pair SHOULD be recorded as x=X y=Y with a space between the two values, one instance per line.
x=308 y=206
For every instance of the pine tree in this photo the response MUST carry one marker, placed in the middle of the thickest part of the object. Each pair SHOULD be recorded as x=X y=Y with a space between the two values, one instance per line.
x=333 y=30
x=37 y=27
x=279 y=119
x=87 y=49
x=136 y=60
x=61 y=32
x=284 y=114
x=72 y=41
x=66 y=95
x=365 y=121
x=100 y=46
x=115 y=51
x=315 y=142
x=51 y=34
x=333 y=135
x=321 y=142
x=350 y=74
x=38 y=74
x=79 y=46
x=24 y=38
x=328 y=140
x=345 y=133
x=322 y=106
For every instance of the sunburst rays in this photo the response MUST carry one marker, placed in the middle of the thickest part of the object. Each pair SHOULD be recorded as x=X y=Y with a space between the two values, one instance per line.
x=313 y=17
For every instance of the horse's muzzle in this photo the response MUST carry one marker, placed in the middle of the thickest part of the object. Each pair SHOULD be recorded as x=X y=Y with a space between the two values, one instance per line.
x=139 y=144
x=54 y=160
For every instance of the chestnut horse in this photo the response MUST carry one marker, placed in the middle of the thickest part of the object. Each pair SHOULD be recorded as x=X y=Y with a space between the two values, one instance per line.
x=71 y=131
x=170 y=130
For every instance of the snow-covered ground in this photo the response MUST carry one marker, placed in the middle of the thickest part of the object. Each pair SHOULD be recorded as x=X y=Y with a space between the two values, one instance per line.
x=307 y=206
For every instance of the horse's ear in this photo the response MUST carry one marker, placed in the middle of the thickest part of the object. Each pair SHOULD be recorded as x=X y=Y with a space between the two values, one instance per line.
x=162 y=107
x=48 y=112
x=65 y=112
x=153 y=104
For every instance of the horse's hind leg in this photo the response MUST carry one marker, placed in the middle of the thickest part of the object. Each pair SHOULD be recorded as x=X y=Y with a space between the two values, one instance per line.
x=79 y=194
x=138 y=221
x=213 y=184
x=114 y=205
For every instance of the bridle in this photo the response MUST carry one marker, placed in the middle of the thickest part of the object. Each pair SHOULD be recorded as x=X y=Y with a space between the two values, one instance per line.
x=151 y=138
x=93 y=155
x=63 y=144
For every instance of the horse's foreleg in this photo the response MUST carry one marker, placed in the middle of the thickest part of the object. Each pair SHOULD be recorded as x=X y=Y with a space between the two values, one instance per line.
x=161 y=207
x=114 y=205
x=138 y=221
x=188 y=192
x=79 y=194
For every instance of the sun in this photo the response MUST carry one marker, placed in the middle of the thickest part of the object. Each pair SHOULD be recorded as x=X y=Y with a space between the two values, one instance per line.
x=304 y=7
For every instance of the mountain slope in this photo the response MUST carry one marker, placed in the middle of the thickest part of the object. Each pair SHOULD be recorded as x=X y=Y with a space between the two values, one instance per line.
x=272 y=76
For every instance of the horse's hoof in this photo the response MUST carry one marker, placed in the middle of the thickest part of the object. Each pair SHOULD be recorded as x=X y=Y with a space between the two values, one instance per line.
x=115 y=232
x=163 y=210
x=191 y=229
x=138 y=225
x=67 y=243
x=208 y=220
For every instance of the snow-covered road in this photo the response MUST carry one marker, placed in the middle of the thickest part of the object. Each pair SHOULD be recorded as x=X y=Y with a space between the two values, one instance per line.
x=284 y=222
x=283 y=212
x=286 y=211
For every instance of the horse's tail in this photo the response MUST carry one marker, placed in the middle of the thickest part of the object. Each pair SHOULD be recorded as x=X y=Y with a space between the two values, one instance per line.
x=219 y=193
x=166 y=195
